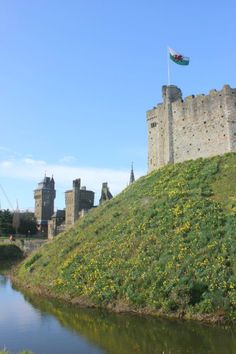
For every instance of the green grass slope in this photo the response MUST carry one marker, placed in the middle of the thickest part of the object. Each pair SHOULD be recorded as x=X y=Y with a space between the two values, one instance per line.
x=166 y=244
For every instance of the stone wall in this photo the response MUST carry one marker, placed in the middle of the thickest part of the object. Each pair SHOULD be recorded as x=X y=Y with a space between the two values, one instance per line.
x=200 y=126
x=27 y=246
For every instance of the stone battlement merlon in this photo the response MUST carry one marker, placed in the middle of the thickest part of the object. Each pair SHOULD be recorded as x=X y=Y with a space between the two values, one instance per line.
x=227 y=90
x=181 y=129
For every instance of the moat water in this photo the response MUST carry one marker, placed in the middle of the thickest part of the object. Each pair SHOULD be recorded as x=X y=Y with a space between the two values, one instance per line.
x=50 y=327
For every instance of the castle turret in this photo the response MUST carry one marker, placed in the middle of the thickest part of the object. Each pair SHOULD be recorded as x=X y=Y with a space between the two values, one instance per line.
x=170 y=94
x=160 y=129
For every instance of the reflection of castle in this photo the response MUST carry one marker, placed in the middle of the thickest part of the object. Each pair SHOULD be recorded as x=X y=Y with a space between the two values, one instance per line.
x=78 y=202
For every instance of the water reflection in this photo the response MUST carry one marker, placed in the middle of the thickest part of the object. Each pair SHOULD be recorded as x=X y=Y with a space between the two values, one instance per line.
x=23 y=326
x=46 y=326
x=3 y=281
x=125 y=334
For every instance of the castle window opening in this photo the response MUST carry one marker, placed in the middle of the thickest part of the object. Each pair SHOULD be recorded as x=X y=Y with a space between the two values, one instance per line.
x=153 y=125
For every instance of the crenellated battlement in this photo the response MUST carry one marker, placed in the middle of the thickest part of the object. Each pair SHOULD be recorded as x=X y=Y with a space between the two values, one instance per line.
x=196 y=126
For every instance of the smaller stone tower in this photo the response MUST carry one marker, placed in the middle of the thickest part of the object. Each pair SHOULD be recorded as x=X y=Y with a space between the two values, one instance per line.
x=77 y=200
x=44 y=197
x=105 y=193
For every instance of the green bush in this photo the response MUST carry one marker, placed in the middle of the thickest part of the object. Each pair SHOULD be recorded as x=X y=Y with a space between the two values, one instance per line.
x=10 y=252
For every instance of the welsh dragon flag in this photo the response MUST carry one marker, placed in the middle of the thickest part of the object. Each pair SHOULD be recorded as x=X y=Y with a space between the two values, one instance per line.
x=178 y=58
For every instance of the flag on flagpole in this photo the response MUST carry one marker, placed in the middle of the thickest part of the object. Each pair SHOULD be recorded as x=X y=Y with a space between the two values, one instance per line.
x=178 y=58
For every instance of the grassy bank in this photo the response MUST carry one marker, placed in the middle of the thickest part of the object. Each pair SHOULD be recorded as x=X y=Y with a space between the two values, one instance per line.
x=167 y=245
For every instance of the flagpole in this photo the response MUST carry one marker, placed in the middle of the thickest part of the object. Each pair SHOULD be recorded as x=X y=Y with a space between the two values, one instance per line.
x=168 y=65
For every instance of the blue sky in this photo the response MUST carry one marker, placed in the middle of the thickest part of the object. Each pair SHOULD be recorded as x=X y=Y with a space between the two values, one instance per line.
x=77 y=77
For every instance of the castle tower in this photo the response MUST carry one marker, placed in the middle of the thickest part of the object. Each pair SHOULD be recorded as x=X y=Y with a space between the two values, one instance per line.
x=131 y=179
x=44 y=197
x=77 y=200
x=160 y=129
x=170 y=94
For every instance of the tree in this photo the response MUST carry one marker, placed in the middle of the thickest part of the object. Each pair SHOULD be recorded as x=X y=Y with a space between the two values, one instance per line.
x=28 y=224
x=6 y=218
x=16 y=220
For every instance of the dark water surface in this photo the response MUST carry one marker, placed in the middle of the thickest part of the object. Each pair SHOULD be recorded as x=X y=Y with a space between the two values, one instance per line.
x=52 y=327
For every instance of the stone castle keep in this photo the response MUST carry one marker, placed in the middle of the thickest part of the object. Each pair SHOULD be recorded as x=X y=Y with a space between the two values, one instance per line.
x=198 y=126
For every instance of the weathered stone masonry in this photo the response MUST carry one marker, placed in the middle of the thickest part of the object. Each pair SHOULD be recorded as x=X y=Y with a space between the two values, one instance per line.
x=200 y=126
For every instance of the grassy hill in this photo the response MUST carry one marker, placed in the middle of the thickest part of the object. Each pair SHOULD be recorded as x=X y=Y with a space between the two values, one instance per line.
x=166 y=244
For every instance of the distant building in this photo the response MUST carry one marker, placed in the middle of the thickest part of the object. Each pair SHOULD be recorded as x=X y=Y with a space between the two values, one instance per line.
x=44 y=197
x=56 y=224
x=105 y=193
x=76 y=200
